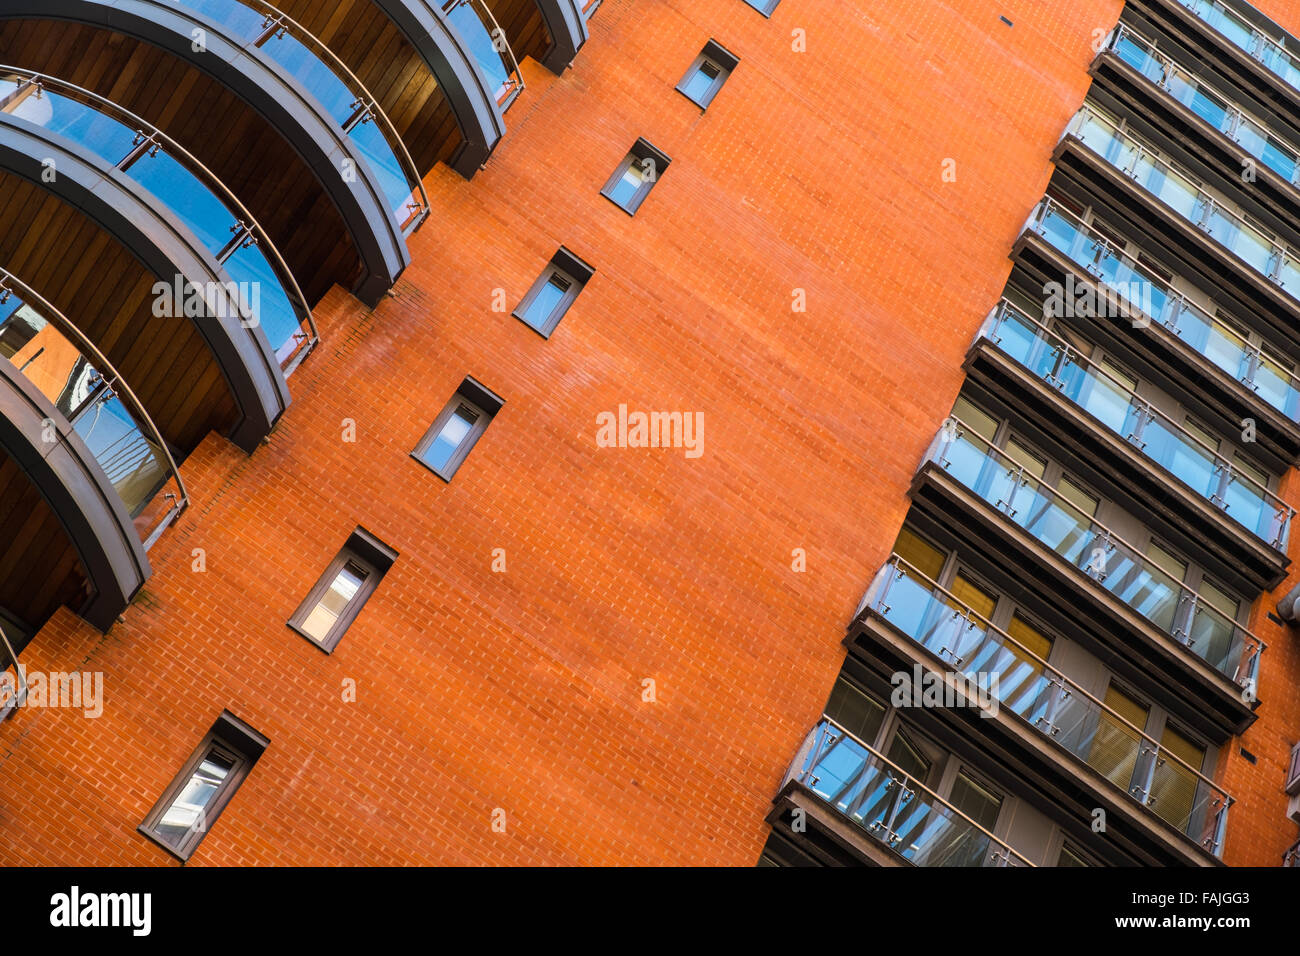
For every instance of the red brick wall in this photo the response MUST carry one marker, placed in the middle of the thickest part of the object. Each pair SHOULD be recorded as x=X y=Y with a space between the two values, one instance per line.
x=522 y=690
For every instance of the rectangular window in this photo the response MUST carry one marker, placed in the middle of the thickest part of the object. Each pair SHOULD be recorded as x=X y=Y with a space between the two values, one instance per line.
x=707 y=74
x=764 y=7
x=553 y=292
x=333 y=604
x=635 y=177
x=457 y=428
x=192 y=802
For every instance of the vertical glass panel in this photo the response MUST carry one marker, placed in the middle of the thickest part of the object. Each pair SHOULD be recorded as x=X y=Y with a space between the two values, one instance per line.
x=449 y=438
x=701 y=80
x=315 y=75
x=191 y=803
x=546 y=300
x=240 y=20
x=379 y=154
x=133 y=463
x=629 y=183
x=260 y=287
x=334 y=601
x=186 y=196
x=1174 y=786
x=99 y=134
x=1114 y=748
x=474 y=32
x=856 y=712
x=919 y=553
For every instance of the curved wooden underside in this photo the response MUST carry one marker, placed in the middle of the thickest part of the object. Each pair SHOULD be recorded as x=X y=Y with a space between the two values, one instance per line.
x=99 y=542
x=166 y=249
x=252 y=82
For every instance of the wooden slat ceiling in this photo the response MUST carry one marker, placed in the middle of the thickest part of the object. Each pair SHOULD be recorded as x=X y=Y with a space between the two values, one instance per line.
x=103 y=290
x=242 y=149
x=522 y=22
x=39 y=570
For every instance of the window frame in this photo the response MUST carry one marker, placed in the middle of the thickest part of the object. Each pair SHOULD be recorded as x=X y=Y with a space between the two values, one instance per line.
x=721 y=58
x=573 y=270
x=641 y=151
x=236 y=739
x=373 y=574
x=765 y=7
x=480 y=400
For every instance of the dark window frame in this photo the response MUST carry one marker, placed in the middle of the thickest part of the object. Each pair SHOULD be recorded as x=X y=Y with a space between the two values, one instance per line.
x=722 y=59
x=765 y=7
x=480 y=400
x=366 y=552
x=641 y=151
x=565 y=265
x=230 y=736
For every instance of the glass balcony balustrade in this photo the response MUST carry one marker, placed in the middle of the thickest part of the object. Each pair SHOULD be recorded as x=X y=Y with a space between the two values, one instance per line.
x=1244 y=35
x=487 y=44
x=890 y=806
x=260 y=278
x=344 y=97
x=66 y=368
x=1051 y=703
x=1229 y=119
x=1149 y=299
x=1157 y=436
x=1180 y=191
x=1097 y=553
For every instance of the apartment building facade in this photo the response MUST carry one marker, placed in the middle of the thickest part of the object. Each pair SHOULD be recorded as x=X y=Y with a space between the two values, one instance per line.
x=459 y=432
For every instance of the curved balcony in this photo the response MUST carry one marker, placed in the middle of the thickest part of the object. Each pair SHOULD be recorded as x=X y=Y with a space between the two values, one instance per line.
x=1157 y=436
x=121 y=207
x=94 y=460
x=487 y=44
x=191 y=193
x=452 y=54
x=1167 y=310
x=894 y=820
x=344 y=97
x=566 y=24
x=15 y=687
x=1057 y=709
x=1182 y=86
x=1257 y=249
x=1248 y=38
x=245 y=87
x=1096 y=553
x=75 y=376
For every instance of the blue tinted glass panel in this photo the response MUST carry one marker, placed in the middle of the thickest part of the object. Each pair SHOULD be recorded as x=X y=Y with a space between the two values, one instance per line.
x=266 y=296
x=453 y=432
x=479 y=41
x=374 y=146
x=315 y=76
x=132 y=462
x=102 y=135
x=186 y=196
x=240 y=20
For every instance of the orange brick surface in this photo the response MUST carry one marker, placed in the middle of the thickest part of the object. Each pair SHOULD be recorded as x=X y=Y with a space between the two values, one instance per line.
x=819 y=171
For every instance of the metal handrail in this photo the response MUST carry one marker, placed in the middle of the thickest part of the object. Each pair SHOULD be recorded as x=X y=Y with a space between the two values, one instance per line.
x=1170 y=66
x=112 y=378
x=1083 y=361
x=1106 y=533
x=896 y=561
x=1280 y=250
x=21 y=696
x=813 y=754
x=1047 y=204
x=366 y=100
x=1261 y=38
x=210 y=179
x=513 y=73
